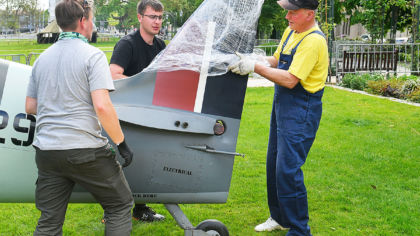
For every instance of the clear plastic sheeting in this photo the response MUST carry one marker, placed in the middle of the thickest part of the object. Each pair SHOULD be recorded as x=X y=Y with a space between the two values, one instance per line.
x=208 y=40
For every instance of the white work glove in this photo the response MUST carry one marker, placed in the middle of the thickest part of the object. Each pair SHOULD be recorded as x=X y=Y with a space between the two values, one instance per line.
x=244 y=66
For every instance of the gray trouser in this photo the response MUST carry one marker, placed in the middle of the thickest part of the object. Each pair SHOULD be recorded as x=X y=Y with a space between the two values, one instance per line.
x=97 y=171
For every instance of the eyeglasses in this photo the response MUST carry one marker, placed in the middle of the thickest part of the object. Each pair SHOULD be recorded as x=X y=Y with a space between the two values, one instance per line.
x=154 y=17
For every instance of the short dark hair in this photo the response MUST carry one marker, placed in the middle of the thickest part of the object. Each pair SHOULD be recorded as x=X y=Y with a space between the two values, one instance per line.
x=68 y=12
x=154 y=4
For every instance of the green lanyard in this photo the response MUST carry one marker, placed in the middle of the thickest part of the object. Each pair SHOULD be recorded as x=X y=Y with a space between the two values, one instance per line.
x=72 y=35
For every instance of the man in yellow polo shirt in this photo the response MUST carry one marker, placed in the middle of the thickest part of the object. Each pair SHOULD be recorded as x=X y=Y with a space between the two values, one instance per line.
x=299 y=70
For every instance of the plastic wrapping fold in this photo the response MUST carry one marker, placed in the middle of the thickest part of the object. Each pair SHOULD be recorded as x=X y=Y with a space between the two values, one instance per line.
x=210 y=37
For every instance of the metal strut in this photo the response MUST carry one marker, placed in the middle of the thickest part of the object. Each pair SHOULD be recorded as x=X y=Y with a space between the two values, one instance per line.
x=183 y=222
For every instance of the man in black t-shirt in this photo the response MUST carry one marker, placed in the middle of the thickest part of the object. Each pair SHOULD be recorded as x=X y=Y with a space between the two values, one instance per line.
x=135 y=51
x=131 y=55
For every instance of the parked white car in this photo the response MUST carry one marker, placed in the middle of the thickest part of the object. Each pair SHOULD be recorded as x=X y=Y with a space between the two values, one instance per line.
x=365 y=37
x=401 y=40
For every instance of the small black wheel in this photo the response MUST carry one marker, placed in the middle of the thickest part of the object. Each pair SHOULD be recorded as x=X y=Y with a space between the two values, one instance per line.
x=213 y=227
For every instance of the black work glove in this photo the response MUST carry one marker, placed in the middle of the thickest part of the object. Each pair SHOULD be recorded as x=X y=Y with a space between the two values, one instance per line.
x=125 y=153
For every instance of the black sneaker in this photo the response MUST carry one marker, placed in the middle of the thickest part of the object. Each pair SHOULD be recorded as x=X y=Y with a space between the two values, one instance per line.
x=146 y=214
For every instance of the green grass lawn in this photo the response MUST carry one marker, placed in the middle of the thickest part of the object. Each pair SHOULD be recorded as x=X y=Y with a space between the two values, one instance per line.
x=362 y=175
x=26 y=47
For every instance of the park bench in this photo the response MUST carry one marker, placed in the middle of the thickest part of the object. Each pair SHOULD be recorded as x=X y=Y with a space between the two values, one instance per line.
x=369 y=61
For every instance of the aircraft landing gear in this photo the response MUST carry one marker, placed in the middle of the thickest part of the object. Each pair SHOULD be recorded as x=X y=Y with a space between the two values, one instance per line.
x=205 y=228
x=213 y=227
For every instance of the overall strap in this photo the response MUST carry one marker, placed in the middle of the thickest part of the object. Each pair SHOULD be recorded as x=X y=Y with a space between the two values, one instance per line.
x=297 y=45
x=287 y=40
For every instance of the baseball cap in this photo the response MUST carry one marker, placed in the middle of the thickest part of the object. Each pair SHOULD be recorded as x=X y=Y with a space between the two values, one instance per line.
x=297 y=4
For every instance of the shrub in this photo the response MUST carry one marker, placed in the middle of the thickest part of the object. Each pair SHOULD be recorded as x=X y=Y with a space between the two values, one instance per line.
x=269 y=48
x=407 y=57
x=407 y=77
x=388 y=88
x=405 y=86
x=376 y=77
x=414 y=96
x=333 y=70
x=376 y=87
x=410 y=86
x=359 y=83
x=345 y=82
x=394 y=88
x=404 y=57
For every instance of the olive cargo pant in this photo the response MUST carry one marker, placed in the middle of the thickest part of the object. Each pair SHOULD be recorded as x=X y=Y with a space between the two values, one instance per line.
x=97 y=171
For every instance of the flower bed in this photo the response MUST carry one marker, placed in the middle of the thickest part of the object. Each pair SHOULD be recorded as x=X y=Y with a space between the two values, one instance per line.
x=403 y=87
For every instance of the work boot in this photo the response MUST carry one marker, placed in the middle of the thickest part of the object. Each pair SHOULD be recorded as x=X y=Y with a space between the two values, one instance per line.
x=146 y=214
x=269 y=225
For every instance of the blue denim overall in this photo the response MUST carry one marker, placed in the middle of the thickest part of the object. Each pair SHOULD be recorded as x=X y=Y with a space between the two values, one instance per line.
x=294 y=121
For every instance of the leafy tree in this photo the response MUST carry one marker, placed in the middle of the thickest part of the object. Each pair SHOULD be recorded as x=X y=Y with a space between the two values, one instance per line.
x=123 y=11
x=376 y=15
x=13 y=9
x=372 y=14
x=179 y=11
x=272 y=21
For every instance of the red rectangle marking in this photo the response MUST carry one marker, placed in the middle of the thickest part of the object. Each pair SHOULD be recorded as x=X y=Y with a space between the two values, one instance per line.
x=176 y=89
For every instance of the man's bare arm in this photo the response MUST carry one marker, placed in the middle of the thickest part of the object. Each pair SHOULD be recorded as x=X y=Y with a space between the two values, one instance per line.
x=278 y=76
x=117 y=72
x=107 y=115
x=30 y=105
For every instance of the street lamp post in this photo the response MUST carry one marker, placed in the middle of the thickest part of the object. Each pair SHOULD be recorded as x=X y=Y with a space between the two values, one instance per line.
x=173 y=19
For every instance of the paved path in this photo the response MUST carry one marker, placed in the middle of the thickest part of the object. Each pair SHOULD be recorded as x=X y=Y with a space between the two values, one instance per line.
x=254 y=82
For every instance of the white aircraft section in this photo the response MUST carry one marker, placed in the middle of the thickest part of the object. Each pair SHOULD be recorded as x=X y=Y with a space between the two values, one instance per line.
x=18 y=176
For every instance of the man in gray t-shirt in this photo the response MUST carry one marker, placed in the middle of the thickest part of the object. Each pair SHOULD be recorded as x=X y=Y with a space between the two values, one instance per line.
x=62 y=81
x=69 y=91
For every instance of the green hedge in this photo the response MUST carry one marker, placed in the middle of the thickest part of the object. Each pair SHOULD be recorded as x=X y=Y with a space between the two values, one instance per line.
x=403 y=87
x=406 y=57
